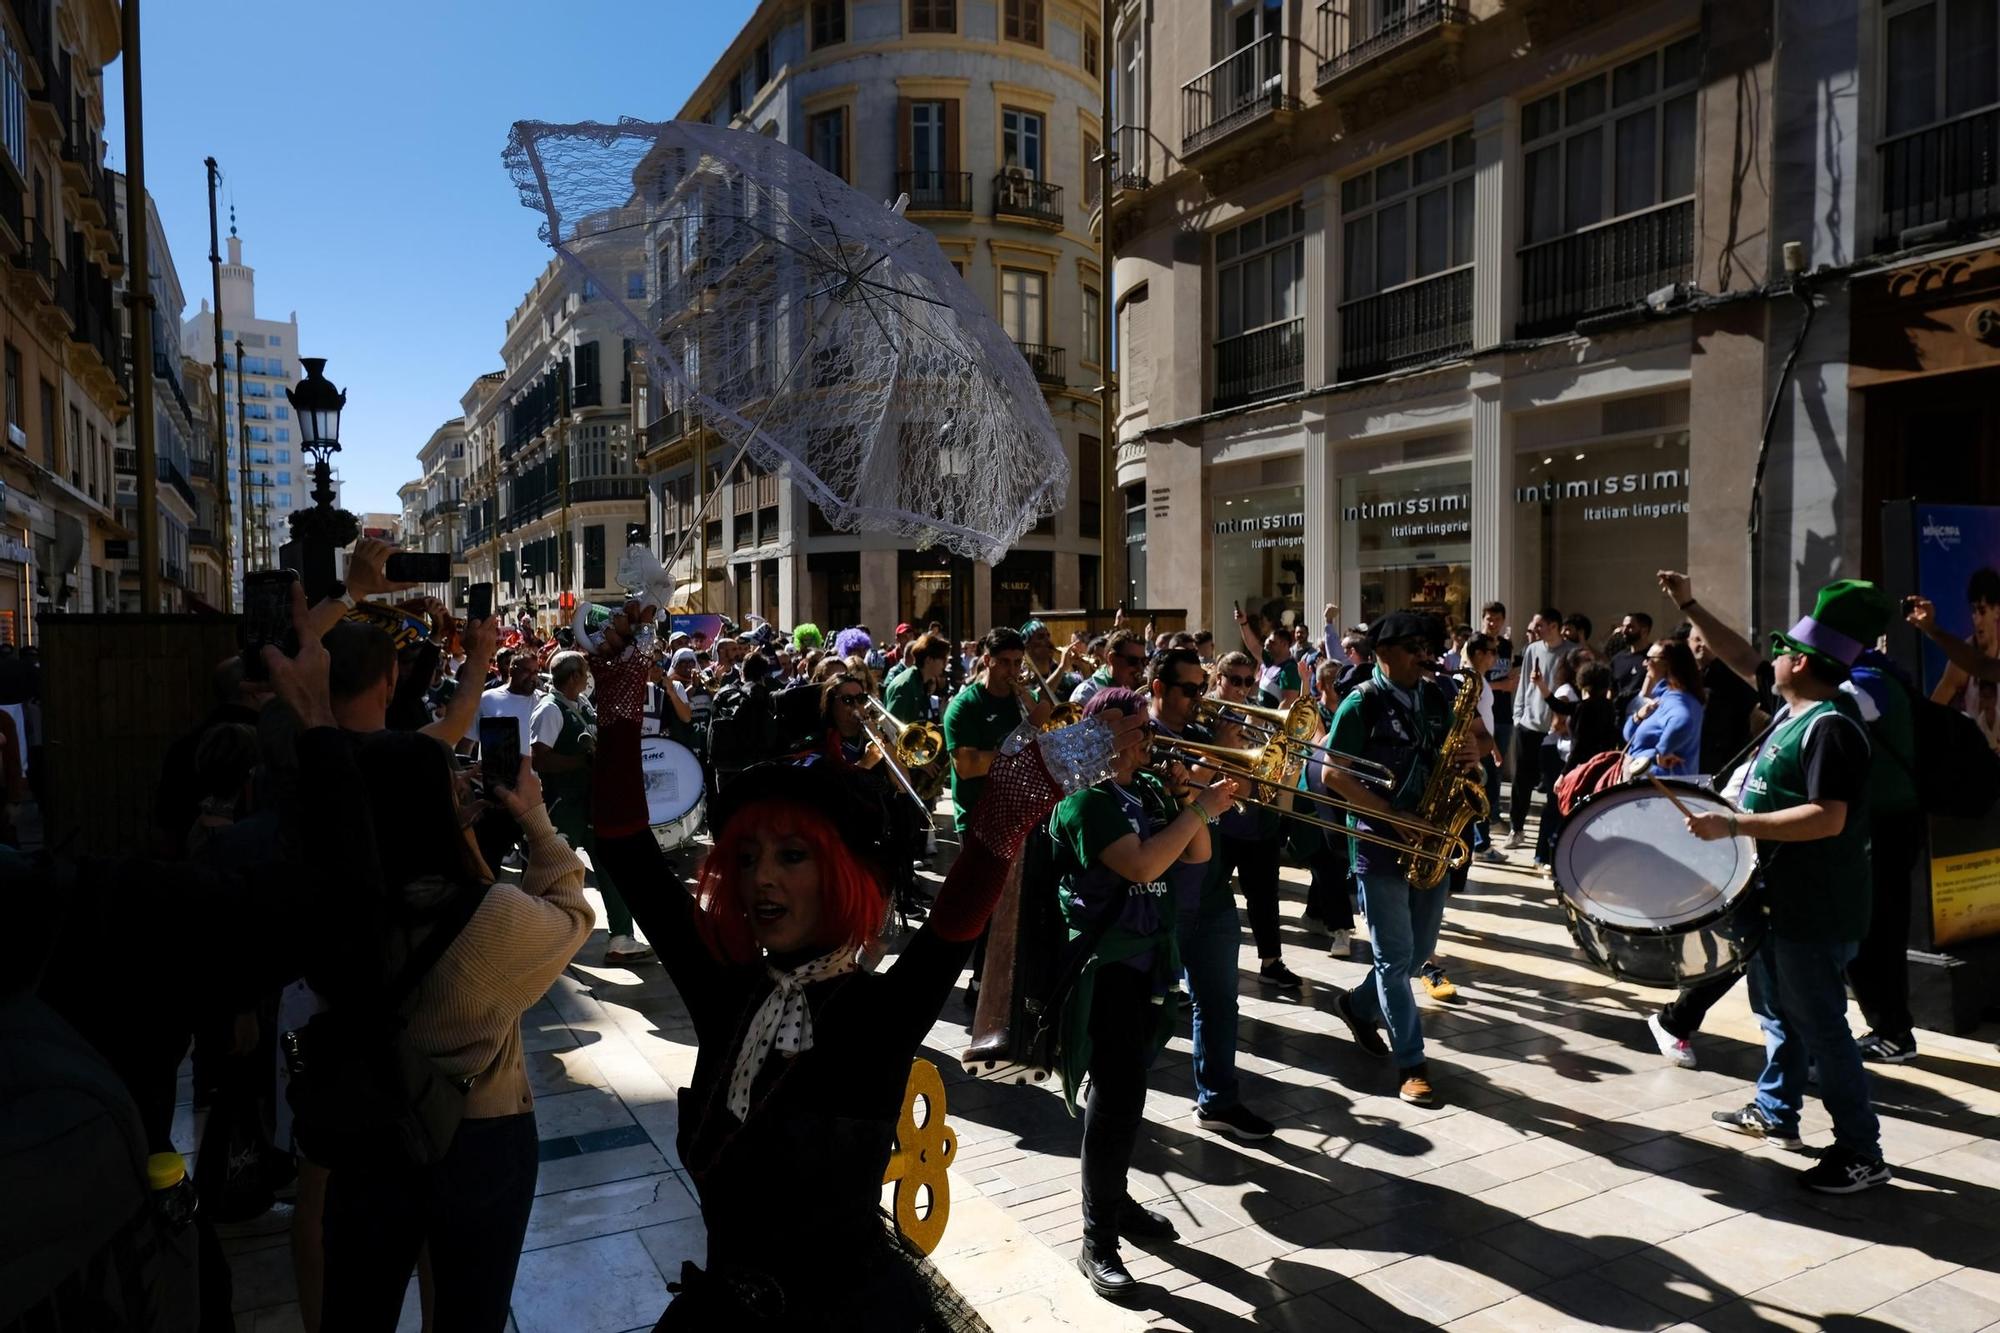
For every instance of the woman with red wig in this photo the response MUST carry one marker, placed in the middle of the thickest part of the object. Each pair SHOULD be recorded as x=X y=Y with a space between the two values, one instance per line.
x=788 y=1125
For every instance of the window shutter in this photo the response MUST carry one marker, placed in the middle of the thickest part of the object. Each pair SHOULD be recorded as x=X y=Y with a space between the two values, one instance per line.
x=951 y=144
x=902 y=134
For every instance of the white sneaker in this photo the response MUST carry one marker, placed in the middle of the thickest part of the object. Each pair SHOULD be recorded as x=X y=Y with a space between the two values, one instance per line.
x=1516 y=840
x=625 y=949
x=1676 y=1049
x=1342 y=944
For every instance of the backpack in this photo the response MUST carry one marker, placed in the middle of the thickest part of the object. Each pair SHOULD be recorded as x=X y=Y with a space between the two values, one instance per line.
x=359 y=1088
x=743 y=728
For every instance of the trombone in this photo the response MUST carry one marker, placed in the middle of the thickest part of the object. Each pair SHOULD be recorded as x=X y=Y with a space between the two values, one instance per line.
x=905 y=749
x=1275 y=765
x=916 y=744
x=1066 y=714
x=1294 y=728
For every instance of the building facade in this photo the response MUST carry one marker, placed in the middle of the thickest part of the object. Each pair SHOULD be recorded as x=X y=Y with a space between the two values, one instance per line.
x=986 y=116
x=269 y=476
x=209 y=578
x=1424 y=304
x=548 y=464
x=434 y=506
x=59 y=329
x=173 y=427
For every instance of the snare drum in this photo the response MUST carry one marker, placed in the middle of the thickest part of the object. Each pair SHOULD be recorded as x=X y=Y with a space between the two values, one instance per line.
x=673 y=781
x=1647 y=900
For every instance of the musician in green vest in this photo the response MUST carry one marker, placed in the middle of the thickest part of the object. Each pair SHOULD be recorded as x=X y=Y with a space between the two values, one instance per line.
x=1805 y=801
x=563 y=728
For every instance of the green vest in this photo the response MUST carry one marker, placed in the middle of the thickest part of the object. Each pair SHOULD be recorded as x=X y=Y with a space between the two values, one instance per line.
x=579 y=721
x=1817 y=890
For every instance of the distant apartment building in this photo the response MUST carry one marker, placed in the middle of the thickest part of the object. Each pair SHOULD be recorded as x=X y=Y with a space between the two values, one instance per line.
x=986 y=116
x=262 y=437
x=173 y=419
x=549 y=453
x=63 y=366
x=434 y=503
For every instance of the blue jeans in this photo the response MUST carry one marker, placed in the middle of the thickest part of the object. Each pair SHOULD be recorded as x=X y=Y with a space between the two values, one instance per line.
x=1209 y=955
x=1798 y=990
x=1403 y=928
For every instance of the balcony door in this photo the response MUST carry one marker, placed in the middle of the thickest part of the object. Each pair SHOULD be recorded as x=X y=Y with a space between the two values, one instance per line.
x=1024 y=305
x=1252 y=68
x=929 y=152
x=1021 y=141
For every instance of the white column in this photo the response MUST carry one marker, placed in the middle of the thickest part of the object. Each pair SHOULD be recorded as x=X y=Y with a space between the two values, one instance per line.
x=1322 y=525
x=878 y=592
x=1493 y=497
x=1312 y=283
x=982 y=598
x=1327 y=281
x=1496 y=131
x=790 y=567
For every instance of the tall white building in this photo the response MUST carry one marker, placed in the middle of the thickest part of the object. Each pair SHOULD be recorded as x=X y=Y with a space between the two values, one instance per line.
x=280 y=473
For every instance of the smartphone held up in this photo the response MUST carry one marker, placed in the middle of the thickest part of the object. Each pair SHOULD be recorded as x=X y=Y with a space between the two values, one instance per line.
x=267 y=619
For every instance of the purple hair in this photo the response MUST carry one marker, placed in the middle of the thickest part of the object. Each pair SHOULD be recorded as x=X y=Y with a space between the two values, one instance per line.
x=852 y=642
x=1127 y=702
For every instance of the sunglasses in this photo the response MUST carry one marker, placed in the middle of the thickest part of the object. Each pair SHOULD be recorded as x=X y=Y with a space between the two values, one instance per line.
x=1241 y=682
x=1191 y=688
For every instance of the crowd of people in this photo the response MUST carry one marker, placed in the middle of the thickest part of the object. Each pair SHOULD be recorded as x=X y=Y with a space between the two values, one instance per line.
x=368 y=905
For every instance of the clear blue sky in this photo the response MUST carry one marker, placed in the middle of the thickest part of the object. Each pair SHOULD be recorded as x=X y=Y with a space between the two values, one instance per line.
x=361 y=144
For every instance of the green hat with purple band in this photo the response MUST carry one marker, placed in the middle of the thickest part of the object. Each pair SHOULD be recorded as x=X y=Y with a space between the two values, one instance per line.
x=1847 y=618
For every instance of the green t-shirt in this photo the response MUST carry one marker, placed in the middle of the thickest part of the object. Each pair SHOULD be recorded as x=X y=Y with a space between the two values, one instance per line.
x=976 y=720
x=907 y=696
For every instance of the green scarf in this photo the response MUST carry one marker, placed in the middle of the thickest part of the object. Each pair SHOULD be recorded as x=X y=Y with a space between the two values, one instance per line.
x=1118 y=944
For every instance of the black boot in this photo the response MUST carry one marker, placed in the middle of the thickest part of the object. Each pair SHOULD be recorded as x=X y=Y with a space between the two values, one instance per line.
x=1105 y=1271
x=1138 y=1222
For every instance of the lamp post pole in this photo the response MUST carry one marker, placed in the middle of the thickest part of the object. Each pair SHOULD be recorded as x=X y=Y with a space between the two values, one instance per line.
x=219 y=414
x=318 y=532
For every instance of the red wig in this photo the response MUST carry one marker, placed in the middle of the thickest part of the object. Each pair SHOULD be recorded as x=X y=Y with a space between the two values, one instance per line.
x=852 y=901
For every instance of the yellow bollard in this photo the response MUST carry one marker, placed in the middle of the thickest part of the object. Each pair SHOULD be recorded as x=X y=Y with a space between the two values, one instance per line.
x=923 y=1151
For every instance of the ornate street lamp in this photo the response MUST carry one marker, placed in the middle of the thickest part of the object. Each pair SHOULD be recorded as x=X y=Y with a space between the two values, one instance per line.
x=318 y=532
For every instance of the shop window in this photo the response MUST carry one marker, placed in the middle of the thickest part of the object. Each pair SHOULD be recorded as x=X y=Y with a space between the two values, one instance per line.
x=933 y=15
x=1135 y=546
x=1593 y=521
x=1618 y=142
x=1410 y=218
x=1406 y=534
x=1258 y=553
x=829 y=22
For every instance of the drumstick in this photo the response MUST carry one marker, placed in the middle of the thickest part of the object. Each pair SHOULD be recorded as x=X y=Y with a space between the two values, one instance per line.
x=1665 y=790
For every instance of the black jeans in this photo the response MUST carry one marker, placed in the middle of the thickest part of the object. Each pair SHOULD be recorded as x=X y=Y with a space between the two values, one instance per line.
x=471 y=1208
x=1255 y=861
x=1880 y=972
x=1121 y=1014
x=1329 y=898
x=1527 y=774
x=1692 y=1003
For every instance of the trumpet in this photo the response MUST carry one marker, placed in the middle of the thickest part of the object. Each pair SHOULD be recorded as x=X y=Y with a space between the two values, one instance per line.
x=1272 y=765
x=916 y=744
x=1294 y=727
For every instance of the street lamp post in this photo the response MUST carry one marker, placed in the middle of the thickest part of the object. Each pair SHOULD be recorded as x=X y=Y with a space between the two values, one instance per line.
x=320 y=531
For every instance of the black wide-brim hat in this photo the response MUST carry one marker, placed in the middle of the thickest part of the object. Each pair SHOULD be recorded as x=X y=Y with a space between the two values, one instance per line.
x=846 y=798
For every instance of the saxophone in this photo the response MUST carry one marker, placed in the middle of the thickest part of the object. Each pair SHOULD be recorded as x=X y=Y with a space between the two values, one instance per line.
x=1453 y=800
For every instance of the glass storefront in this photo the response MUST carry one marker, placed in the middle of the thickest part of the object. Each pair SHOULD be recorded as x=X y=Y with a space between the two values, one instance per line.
x=1022 y=582
x=1594 y=523
x=835 y=579
x=925 y=592
x=1259 y=551
x=1406 y=541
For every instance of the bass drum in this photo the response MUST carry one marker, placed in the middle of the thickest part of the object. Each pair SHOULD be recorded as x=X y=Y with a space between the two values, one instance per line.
x=1648 y=901
x=674 y=804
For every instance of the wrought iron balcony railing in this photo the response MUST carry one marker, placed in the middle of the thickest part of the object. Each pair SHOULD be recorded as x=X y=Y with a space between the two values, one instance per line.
x=1235 y=92
x=1418 y=321
x=936 y=191
x=1047 y=362
x=1263 y=363
x=1941 y=180
x=1604 y=268
x=1022 y=196
x=1356 y=32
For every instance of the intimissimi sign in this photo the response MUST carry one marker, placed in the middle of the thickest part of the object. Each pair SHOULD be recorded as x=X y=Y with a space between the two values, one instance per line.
x=1611 y=496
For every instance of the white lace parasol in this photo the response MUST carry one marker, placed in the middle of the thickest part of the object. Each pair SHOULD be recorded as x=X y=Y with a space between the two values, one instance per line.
x=804 y=324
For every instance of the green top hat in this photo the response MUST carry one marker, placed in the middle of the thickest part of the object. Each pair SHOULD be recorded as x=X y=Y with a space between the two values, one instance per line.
x=1847 y=618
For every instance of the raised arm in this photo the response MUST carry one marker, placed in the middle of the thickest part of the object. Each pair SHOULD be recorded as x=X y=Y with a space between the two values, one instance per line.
x=456 y=724
x=1735 y=651
x=1965 y=656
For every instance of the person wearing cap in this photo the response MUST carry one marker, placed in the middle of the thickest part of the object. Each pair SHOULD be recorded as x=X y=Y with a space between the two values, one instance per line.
x=1050 y=665
x=1804 y=798
x=803 y=1056
x=1398 y=717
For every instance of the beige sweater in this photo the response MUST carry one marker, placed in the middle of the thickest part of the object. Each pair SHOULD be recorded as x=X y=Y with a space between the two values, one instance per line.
x=467 y=1014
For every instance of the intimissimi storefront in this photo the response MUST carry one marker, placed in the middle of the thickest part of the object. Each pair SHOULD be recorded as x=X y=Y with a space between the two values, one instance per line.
x=1406 y=531
x=1594 y=523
